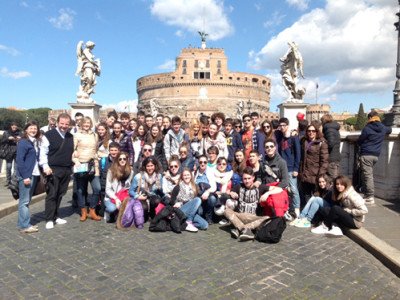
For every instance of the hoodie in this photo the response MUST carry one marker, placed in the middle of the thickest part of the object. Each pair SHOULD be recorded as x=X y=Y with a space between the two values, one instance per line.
x=372 y=137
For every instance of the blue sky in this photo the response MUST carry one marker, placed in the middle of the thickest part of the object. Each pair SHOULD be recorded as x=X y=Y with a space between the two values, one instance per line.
x=348 y=47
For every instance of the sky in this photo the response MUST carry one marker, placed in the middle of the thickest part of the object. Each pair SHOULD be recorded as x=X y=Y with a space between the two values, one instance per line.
x=349 y=48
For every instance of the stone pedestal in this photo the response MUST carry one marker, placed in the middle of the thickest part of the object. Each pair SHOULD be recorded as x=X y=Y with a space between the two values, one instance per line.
x=290 y=110
x=87 y=109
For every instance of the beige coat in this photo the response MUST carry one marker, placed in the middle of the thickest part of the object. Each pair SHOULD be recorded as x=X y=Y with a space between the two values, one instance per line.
x=354 y=204
x=86 y=147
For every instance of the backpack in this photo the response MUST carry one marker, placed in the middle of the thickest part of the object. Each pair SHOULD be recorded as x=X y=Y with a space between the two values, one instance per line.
x=271 y=230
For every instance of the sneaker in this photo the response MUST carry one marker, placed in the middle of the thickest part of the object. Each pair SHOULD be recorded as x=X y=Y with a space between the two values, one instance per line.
x=190 y=227
x=235 y=233
x=369 y=200
x=321 y=229
x=50 y=225
x=219 y=211
x=303 y=223
x=29 y=230
x=336 y=231
x=289 y=217
x=231 y=204
x=295 y=222
x=246 y=235
x=60 y=221
x=106 y=217
x=223 y=222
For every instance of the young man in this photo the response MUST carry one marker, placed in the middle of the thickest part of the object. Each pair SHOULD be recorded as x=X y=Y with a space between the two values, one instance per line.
x=148 y=119
x=141 y=116
x=233 y=139
x=237 y=125
x=111 y=118
x=219 y=119
x=255 y=119
x=212 y=154
x=159 y=120
x=371 y=141
x=56 y=151
x=289 y=150
x=251 y=134
x=125 y=118
x=248 y=197
x=174 y=137
x=205 y=123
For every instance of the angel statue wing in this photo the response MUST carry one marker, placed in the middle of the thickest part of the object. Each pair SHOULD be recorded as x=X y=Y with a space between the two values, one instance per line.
x=79 y=56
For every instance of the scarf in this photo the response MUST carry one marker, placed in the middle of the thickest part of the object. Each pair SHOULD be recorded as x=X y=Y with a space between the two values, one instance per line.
x=185 y=192
x=223 y=179
x=149 y=182
x=374 y=119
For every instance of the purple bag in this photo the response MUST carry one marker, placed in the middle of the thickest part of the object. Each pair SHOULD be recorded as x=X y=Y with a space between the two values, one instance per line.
x=133 y=214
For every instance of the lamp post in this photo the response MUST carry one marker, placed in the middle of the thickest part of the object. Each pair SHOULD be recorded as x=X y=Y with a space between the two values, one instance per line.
x=393 y=118
x=249 y=103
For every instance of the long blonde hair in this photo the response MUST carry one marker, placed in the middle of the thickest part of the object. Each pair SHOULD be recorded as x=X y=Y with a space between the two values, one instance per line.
x=191 y=130
x=192 y=183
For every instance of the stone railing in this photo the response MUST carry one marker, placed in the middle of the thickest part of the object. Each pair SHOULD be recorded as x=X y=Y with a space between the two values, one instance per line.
x=386 y=170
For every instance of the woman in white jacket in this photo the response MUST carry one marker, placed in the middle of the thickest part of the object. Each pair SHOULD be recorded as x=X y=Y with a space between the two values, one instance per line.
x=119 y=177
x=349 y=212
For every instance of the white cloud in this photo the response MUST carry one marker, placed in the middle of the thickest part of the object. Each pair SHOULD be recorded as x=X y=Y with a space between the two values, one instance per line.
x=300 y=4
x=65 y=20
x=126 y=105
x=188 y=15
x=257 y=6
x=9 y=50
x=24 y=4
x=350 y=46
x=275 y=19
x=15 y=75
x=168 y=65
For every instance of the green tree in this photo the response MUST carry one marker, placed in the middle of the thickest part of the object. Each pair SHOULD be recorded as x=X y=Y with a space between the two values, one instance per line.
x=7 y=116
x=39 y=115
x=361 y=118
x=351 y=121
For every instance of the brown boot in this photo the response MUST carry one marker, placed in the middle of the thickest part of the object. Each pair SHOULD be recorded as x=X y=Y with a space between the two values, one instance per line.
x=92 y=214
x=83 y=214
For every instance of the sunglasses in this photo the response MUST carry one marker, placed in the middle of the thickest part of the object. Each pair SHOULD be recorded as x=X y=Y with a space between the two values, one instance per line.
x=173 y=167
x=122 y=159
x=311 y=130
x=282 y=125
x=267 y=126
x=222 y=164
x=147 y=150
x=202 y=162
x=183 y=152
x=238 y=126
x=269 y=147
x=247 y=120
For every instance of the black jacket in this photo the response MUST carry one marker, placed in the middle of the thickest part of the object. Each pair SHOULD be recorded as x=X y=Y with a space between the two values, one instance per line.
x=161 y=222
x=279 y=168
x=332 y=136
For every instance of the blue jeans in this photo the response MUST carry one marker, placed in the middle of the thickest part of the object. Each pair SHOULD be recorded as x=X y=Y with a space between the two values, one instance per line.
x=312 y=206
x=190 y=209
x=110 y=207
x=25 y=197
x=9 y=163
x=211 y=201
x=82 y=184
x=295 y=197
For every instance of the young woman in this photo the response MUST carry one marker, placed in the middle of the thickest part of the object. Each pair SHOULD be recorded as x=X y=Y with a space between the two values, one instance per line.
x=171 y=176
x=119 y=177
x=184 y=197
x=322 y=198
x=138 y=139
x=124 y=140
x=104 y=139
x=195 y=137
x=86 y=147
x=133 y=125
x=349 y=212
x=166 y=125
x=314 y=160
x=28 y=174
x=239 y=162
x=186 y=161
x=215 y=138
x=155 y=138
x=150 y=182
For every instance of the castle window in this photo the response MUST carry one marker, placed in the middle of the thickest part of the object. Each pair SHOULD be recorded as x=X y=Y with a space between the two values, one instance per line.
x=221 y=78
x=184 y=71
x=184 y=63
x=219 y=64
x=207 y=64
x=264 y=82
x=201 y=75
x=255 y=80
x=238 y=78
x=246 y=78
x=219 y=71
x=196 y=63
x=230 y=78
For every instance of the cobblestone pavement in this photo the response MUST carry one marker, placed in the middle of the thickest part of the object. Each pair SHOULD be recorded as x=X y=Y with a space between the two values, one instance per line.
x=94 y=260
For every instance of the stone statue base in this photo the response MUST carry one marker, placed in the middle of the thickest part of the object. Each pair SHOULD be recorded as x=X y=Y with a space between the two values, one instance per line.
x=91 y=110
x=290 y=110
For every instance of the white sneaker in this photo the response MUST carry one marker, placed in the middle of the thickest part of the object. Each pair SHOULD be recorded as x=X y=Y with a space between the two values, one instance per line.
x=231 y=204
x=60 y=221
x=190 y=227
x=50 y=225
x=335 y=231
x=321 y=229
x=223 y=222
x=369 y=200
x=106 y=217
x=220 y=210
x=294 y=222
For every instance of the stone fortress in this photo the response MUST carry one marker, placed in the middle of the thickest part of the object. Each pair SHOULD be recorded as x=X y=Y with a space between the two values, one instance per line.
x=202 y=84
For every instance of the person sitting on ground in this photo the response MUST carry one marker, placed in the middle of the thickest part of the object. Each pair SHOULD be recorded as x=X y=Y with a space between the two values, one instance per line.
x=350 y=211
x=184 y=197
x=150 y=182
x=248 y=196
x=171 y=177
x=119 y=177
x=322 y=198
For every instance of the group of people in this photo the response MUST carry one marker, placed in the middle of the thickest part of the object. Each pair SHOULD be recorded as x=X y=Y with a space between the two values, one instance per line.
x=214 y=169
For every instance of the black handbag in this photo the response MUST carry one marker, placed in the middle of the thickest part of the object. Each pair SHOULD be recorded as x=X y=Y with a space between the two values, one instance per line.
x=6 y=151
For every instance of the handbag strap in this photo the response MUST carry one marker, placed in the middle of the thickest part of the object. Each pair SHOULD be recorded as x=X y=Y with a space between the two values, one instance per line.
x=140 y=183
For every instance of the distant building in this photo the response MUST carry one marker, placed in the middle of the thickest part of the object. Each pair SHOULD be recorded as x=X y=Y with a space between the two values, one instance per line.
x=202 y=83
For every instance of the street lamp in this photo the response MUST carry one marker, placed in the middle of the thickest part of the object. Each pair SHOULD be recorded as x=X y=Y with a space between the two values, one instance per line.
x=249 y=103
